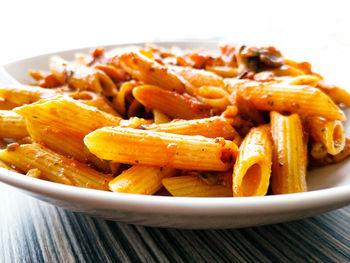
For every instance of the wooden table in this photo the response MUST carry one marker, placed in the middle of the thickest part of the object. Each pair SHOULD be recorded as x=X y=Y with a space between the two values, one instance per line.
x=33 y=231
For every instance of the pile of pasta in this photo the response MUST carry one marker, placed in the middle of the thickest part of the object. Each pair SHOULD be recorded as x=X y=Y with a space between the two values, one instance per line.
x=242 y=121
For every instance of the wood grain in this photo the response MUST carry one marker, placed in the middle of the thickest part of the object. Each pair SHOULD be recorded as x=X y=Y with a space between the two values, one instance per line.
x=33 y=231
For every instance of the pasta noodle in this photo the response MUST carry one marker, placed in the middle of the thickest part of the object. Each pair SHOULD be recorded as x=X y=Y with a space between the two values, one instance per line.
x=20 y=95
x=199 y=78
x=12 y=125
x=326 y=159
x=252 y=170
x=289 y=98
x=53 y=167
x=209 y=127
x=161 y=149
x=217 y=98
x=151 y=72
x=6 y=105
x=193 y=186
x=98 y=101
x=329 y=133
x=73 y=115
x=289 y=154
x=119 y=100
x=81 y=77
x=171 y=103
x=63 y=142
x=337 y=94
x=4 y=165
x=223 y=71
x=140 y=180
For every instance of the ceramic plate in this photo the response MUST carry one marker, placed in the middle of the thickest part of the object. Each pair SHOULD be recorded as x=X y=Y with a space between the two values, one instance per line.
x=329 y=187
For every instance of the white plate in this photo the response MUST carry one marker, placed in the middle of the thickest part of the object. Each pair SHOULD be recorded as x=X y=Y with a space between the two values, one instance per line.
x=329 y=187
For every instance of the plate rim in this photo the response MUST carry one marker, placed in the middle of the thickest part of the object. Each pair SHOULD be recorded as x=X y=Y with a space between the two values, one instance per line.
x=179 y=205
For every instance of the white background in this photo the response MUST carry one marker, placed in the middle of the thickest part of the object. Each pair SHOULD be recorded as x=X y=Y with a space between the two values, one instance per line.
x=318 y=31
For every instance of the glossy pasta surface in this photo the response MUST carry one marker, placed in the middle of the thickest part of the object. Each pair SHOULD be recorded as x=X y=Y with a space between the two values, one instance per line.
x=236 y=122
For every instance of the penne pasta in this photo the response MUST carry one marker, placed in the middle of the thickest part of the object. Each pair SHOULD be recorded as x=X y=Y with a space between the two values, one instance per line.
x=210 y=127
x=81 y=77
x=216 y=97
x=329 y=133
x=64 y=142
x=338 y=95
x=12 y=125
x=115 y=167
x=115 y=73
x=326 y=159
x=294 y=69
x=310 y=80
x=289 y=154
x=53 y=124
x=193 y=186
x=96 y=100
x=23 y=94
x=212 y=178
x=288 y=70
x=6 y=105
x=119 y=99
x=74 y=116
x=318 y=150
x=134 y=109
x=198 y=77
x=151 y=72
x=4 y=165
x=139 y=179
x=45 y=79
x=223 y=71
x=289 y=98
x=304 y=67
x=247 y=111
x=172 y=104
x=252 y=170
x=34 y=173
x=53 y=167
x=133 y=146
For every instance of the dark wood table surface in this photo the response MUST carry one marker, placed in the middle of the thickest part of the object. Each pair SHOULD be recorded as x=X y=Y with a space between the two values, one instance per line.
x=33 y=231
